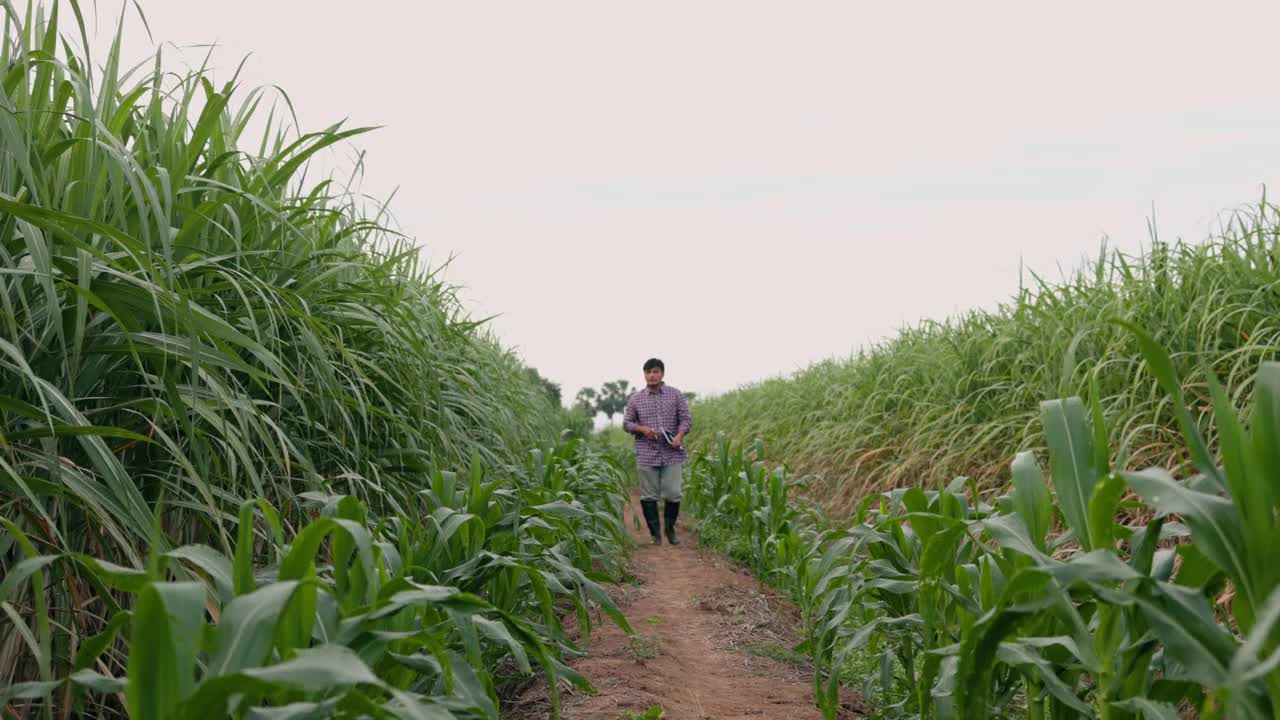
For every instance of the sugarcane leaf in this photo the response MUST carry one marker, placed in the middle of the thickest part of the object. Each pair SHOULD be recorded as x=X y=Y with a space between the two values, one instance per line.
x=1162 y=368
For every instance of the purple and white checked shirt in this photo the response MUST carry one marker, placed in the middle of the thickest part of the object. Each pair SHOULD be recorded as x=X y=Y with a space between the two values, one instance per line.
x=664 y=409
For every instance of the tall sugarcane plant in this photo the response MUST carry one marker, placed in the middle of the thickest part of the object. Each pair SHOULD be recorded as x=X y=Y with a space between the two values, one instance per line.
x=960 y=396
x=217 y=370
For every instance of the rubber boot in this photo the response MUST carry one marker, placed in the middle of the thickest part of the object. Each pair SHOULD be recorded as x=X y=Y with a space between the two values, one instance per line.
x=650 y=509
x=670 y=512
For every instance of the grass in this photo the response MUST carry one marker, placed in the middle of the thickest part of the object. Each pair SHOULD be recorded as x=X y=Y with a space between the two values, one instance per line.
x=775 y=651
x=653 y=712
x=646 y=646
x=959 y=397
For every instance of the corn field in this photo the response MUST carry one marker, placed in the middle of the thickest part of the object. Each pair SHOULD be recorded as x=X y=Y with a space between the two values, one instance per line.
x=1092 y=592
x=256 y=461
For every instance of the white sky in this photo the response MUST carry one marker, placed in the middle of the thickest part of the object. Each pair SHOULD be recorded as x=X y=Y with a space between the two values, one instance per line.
x=743 y=188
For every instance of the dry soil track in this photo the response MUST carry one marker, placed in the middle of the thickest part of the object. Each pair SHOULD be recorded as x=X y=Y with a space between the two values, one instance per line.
x=712 y=646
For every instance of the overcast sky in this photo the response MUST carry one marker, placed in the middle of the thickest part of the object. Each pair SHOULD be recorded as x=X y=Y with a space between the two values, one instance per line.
x=744 y=188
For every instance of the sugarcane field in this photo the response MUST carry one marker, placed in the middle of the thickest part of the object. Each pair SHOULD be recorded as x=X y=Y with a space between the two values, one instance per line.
x=926 y=360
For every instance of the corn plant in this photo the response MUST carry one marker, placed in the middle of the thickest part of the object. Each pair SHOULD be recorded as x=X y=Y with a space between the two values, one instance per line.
x=353 y=614
x=1092 y=592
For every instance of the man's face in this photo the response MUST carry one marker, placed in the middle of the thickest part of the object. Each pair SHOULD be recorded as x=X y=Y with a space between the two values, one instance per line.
x=653 y=377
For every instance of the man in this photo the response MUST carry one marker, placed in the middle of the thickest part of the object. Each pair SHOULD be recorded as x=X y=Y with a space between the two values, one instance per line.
x=659 y=418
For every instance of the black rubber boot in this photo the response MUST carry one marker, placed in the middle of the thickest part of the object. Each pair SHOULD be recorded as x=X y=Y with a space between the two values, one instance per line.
x=671 y=511
x=650 y=509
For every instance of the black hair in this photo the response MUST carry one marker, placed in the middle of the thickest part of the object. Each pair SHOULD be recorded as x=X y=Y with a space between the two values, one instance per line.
x=652 y=363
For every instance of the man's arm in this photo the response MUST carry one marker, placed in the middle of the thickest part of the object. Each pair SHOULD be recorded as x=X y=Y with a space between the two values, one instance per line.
x=631 y=421
x=631 y=416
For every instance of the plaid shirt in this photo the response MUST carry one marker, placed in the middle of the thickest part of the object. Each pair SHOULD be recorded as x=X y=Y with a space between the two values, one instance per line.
x=665 y=409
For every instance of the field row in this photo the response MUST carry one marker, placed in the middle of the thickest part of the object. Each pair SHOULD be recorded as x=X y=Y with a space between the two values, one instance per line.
x=420 y=615
x=1092 y=592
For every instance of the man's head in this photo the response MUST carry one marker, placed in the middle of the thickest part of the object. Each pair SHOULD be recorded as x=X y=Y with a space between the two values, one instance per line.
x=653 y=372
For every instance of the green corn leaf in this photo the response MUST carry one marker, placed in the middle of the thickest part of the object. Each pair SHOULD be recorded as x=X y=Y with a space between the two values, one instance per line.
x=1266 y=427
x=408 y=706
x=1031 y=497
x=317 y=669
x=244 y=635
x=1102 y=511
x=499 y=632
x=1258 y=657
x=1071 y=462
x=1145 y=542
x=296 y=711
x=98 y=682
x=325 y=669
x=157 y=664
x=1196 y=570
x=1149 y=709
x=1028 y=658
x=1010 y=533
x=1251 y=493
x=1213 y=521
x=1196 y=647
x=213 y=564
x=1099 y=567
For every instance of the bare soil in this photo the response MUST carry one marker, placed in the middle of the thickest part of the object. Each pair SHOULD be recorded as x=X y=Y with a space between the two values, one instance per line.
x=711 y=644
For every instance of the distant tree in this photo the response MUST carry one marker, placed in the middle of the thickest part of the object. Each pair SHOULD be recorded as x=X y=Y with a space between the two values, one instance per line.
x=552 y=389
x=613 y=398
x=586 y=400
x=689 y=396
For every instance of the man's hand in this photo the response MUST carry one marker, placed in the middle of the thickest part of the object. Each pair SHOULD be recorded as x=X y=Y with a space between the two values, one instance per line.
x=647 y=431
x=677 y=442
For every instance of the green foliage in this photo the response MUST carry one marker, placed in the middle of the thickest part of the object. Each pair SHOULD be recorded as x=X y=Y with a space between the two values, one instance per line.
x=575 y=422
x=619 y=448
x=653 y=712
x=961 y=397
x=613 y=398
x=1138 y=607
x=587 y=400
x=610 y=399
x=406 y=616
x=552 y=389
x=217 y=370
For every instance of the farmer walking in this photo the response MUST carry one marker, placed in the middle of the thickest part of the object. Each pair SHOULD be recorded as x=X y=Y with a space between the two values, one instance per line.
x=659 y=418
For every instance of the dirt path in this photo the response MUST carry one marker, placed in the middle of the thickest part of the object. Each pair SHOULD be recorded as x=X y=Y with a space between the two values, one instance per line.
x=712 y=646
